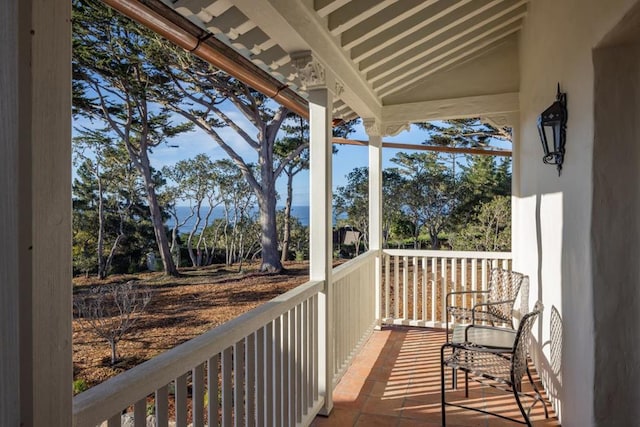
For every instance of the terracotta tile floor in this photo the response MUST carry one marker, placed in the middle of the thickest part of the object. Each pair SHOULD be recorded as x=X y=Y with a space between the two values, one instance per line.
x=395 y=381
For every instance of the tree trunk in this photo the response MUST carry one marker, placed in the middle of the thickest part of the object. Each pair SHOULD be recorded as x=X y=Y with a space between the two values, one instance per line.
x=102 y=274
x=269 y=242
x=114 y=354
x=156 y=215
x=192 y=255
x=286 y=233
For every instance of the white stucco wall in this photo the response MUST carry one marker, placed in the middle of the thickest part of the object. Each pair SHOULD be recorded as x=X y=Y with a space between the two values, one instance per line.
x=552 y=215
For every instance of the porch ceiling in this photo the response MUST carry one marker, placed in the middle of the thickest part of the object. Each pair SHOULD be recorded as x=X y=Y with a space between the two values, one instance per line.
x=386 y=53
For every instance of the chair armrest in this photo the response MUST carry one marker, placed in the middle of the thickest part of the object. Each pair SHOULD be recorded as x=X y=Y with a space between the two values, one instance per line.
x=468 y=346
x=488 y=304
x=463 y=292
x=490 y=336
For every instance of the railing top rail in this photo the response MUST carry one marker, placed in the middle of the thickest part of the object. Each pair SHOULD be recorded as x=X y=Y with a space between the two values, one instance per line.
x=344 y=269
x=102 y=401
x=447 y=254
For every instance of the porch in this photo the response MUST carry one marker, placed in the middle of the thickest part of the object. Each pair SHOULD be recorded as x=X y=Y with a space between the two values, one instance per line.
x=313 y=350
x=395 y=381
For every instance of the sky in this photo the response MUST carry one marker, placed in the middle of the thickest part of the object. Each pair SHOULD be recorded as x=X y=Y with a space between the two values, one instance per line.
x=347 y=158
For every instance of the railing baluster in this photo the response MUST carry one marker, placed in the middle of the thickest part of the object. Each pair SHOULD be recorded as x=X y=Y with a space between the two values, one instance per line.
x=250 y=373
x=162 y=407
x=424 y=289
x=197 y=400
x=277 y=371
x=286 y=368
x=260 y=377
x=405 y=286
x=434 y=286
x=212 y=391
x=463 y=280
x=115 y=420
x=396 y=287
x=474 y=279
x=227 y=387
x=269 y=350
x=140 y=413
x=305 y=390
x=239 y=384
x=444 y=287
x=387 y=286
x=314 y=348
x=415 y=289
x=299 y=363
x=181 y=400
x=485 y=283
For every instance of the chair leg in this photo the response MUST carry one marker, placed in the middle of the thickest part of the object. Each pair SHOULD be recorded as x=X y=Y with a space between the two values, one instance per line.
x=537 y=392
x=466 y=384
x=522 y=410
x=442 y=389
x=454 y=379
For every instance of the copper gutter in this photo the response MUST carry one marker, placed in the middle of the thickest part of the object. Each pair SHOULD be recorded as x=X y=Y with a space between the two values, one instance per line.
x=164 y=21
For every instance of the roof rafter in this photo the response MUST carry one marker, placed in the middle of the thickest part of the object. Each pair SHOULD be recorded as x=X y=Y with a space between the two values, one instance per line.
x=383 y=20
x=424 y=69
x=398 y=32
x=396 y=57
x=354 y=13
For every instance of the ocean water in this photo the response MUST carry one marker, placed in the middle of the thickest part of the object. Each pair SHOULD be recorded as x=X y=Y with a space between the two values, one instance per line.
x=300 y=212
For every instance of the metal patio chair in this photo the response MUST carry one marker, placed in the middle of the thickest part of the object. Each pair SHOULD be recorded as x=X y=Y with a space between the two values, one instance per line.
x=498 y=367
x=496 y=305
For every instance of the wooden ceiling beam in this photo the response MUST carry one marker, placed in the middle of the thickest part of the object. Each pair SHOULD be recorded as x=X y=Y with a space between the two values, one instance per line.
x=437 y=148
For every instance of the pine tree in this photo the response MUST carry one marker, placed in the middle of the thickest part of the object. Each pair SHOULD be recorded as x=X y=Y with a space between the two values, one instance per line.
x=115 y=83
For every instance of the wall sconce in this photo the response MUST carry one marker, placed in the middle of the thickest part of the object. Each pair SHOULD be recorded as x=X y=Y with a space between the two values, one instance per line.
x=554 y=118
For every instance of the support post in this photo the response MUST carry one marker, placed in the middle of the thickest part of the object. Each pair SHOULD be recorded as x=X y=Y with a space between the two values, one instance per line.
x=35 y=224
x=9 y=275
x=313 y=75
x=375 y=207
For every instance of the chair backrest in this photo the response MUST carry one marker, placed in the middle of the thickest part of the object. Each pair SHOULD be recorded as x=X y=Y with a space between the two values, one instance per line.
x=503 y=286
x=521 y=343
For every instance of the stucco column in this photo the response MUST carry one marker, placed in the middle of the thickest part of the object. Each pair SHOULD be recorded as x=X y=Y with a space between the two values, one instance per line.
x=314 y=78
x=372 y=127
x=35 y=219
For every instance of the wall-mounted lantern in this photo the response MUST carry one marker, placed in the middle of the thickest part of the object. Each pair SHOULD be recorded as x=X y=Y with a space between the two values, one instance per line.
x=554 y=118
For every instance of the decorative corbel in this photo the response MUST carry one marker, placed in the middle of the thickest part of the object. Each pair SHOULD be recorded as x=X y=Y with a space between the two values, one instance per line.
x=311 y=72
x=372 y=127
x=392 y=129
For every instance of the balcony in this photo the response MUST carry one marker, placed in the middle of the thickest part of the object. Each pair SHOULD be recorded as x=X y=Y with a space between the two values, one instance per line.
x=313 y=349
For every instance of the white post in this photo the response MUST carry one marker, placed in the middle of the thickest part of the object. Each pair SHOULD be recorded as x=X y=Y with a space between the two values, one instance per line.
x=35 y=223
x=313 y=76
x=375 y=207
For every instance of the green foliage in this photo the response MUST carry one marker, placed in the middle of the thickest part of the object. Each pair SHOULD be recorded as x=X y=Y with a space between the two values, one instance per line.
x=111 y=230
x=298 y=237
x=489 y=229
x=79 y=386
x=429 y=194
x=116 y=84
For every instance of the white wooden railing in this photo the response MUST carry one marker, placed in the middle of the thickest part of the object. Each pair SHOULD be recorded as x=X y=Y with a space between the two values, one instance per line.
x=354 y=309
x=415 y=282
x=261 y=368
x=258 y=369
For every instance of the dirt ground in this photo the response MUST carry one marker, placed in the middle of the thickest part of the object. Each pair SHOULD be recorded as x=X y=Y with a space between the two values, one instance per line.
x=180 y=309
